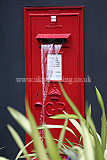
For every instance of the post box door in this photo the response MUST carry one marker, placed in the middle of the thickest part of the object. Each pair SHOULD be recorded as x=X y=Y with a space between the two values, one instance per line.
x=52 y=27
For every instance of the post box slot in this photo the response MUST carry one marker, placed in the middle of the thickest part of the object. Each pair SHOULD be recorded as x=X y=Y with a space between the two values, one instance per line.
x=55 y=41
x=53 y=38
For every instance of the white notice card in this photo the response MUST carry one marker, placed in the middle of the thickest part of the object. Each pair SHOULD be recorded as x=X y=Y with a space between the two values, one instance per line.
x=54 y=67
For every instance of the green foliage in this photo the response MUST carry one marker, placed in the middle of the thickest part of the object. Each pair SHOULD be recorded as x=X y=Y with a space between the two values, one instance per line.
x=73 y=106
x=51 y=146
x=93 y=147
x=2 y=158
x=103 y=128
x=38 y=144
x=18 y=140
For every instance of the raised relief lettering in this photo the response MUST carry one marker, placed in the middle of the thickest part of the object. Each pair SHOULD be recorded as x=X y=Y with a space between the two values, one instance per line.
x=61 y=106
x=54 y=93
x=50 y=109
x=54 y=107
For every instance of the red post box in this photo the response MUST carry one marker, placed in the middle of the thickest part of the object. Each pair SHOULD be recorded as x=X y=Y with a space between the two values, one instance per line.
x=54 y=51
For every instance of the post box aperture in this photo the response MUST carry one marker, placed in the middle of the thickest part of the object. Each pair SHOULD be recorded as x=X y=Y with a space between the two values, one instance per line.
x=54 y=52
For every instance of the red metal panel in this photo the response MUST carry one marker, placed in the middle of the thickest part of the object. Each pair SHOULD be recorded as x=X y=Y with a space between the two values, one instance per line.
x=38 y=24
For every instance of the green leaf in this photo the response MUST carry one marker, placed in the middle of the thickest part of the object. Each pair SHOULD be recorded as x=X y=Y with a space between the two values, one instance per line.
x=56 y=126
x=103 y=127
x=99 y=138
x=2 y=148
x=63 y=145
x=98 y=147
x=51 y=146
x=71 y=144
x=67 y=147
x=88 y=147
x=64 y=116
x=18 y=140
x=61 y=137
x=38 y=144
x=103 y=133
x=2 y=158
x=73 y=106
x=89 y=110
x=30 y=155
x=100 y=99
x=21 y=151
x=71 y=154
x=105 y=154
x=76 y=125
x=80 y=152
x=20 y=119
x=88 y=113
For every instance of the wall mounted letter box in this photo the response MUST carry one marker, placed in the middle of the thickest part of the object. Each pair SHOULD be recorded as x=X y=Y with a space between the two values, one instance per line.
x=54 y=51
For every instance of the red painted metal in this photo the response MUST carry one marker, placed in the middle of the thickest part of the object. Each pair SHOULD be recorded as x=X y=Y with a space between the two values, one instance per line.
x=50 y=36
x=54 y=93
x=37 y=22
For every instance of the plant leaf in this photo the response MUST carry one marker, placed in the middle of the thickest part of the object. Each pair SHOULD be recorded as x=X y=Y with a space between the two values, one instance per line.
x=105 y=154
x=29 y=155
x=21 y=151
x=49 y=126
x=88 y=113
x=80 y=152
x=88 y=147
x=89 y=110
x=2 y=148
x=2 y=158
x=73 y=106
x=69 y=142
x=103 y=127
x=71 y=154
x=18 y=140
x=63 y=145
x=51 y=146
x=64 y=116
x=38 y=145
x=98 y=149
x=67 y=147
x=61 y=137
x=20 y=119
x=100 y=99
x=76 y=125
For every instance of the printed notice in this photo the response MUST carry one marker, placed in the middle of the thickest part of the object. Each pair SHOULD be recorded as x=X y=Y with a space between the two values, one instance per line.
x=54 y=67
